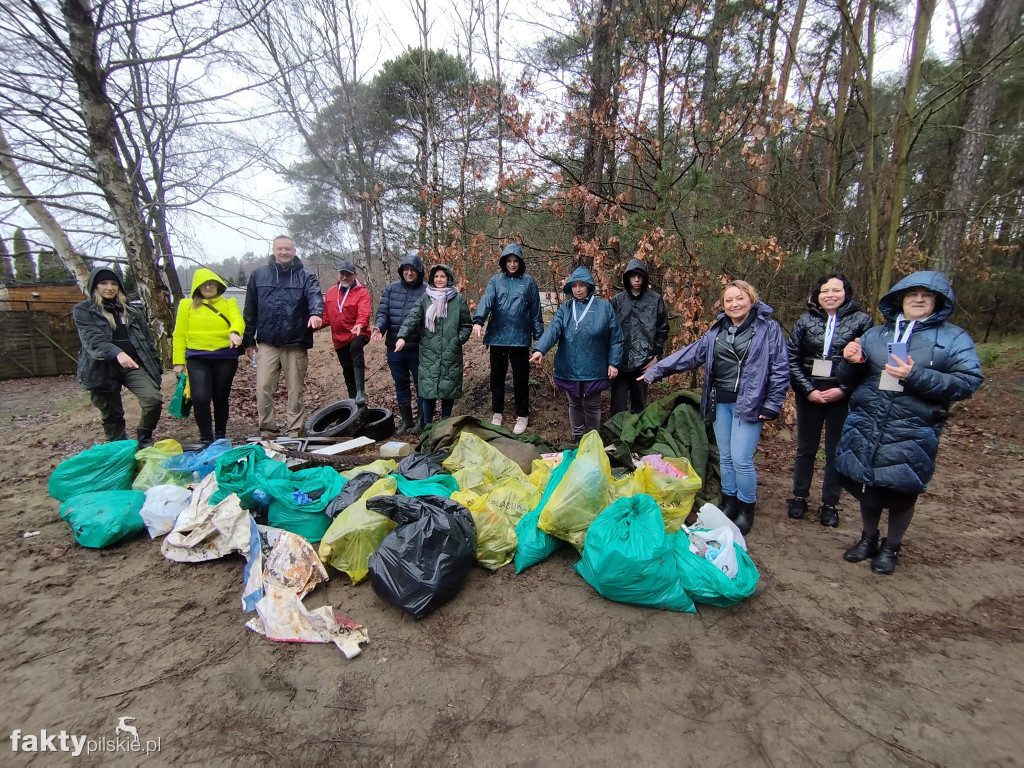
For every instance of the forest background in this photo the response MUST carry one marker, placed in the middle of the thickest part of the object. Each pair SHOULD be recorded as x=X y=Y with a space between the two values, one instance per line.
x=718 y=139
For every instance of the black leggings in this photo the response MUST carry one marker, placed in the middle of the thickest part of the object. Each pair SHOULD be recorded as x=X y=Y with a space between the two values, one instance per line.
x=210 y=381
x=519 y=357
x=899 y=521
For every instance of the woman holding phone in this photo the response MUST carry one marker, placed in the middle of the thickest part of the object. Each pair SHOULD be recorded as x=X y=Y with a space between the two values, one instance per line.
x=904 y=374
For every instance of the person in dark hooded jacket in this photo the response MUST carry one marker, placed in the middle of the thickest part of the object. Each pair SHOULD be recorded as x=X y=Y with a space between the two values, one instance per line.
x=816 y=344
x=644 y=322
x=117 y=351
x=513 y=303
x=396 y=302
x=886 y=454
x=745 y=382
x=589 y=354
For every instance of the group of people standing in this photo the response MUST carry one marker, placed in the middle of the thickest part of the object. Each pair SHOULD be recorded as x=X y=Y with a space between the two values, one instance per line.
x=879 y=393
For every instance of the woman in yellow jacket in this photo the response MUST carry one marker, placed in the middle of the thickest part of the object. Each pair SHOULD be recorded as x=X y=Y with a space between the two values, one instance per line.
x=208 y=339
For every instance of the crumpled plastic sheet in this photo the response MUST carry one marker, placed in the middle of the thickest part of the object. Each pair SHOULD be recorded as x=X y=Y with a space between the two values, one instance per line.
x=275 y=585
x=203 y=533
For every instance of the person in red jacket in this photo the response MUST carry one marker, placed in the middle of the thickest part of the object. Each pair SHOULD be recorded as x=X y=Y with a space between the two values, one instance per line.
x=347 y=312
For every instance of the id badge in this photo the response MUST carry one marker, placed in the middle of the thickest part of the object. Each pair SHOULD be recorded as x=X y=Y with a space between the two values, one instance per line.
x=821 y=369
x=889 y=383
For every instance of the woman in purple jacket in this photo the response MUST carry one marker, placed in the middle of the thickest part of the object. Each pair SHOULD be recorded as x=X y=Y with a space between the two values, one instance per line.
x=745 y=382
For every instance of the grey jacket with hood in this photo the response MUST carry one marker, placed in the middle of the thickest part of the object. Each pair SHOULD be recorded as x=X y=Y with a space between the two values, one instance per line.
x=513 y=302
x=643 y=318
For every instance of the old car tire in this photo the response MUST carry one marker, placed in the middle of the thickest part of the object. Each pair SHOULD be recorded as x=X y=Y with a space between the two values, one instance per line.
x=380 y=424
x=340 y=419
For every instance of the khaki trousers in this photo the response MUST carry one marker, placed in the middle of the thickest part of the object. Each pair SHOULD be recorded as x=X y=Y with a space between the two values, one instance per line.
x=270 y=362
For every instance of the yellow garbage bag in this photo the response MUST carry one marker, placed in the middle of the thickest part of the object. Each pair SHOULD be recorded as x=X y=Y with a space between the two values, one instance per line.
x=379 y=467
x=514 y=498
x=496 y=539
x=581 y=494
x=357 y=532
x=472 y=451
x=674 y=495
x=152 y=472
x=542 y=468
x=476 y=479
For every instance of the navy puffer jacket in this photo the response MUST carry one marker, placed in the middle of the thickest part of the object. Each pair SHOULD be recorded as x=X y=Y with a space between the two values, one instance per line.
x=891 y=438
x=513 y=302
x=279 y=300
x=397 y=300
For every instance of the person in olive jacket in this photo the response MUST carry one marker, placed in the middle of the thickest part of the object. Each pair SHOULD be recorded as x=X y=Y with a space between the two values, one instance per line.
x=396 y=302
x=283 y=306
x=589 y=340
x=513 y=303
x=117 y=351
x=886 y=454
x=816 y=344
x=644 y=322
x=442 y=323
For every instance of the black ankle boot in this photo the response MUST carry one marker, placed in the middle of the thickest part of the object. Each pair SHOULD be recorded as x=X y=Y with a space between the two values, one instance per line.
x=745 y=516
x=828 y=515
x=863 y=549
x=885 y=561
x=729 y=506
x=797 y=508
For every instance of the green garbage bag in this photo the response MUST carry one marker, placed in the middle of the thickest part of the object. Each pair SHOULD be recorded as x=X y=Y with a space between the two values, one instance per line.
x=152 y=472
x=102 y=518
x=435 y=485
x=629 y=558
x=241 y=470
x=706 y=583
x=289 y=508
x=534 y=544
x=181 y=402
x=104 y=467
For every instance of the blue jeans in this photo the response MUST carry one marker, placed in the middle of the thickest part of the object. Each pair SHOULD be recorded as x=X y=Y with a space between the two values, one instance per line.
x=736 y=443
x=404 y=365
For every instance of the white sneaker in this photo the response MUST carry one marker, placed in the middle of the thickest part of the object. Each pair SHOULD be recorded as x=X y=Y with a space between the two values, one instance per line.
x=496 y=419
x=522 y=422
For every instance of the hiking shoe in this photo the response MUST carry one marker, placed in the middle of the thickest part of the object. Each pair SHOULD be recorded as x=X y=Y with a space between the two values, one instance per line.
x=496 y=419
x=522 y=422
x=797 y=508
x=828 y=516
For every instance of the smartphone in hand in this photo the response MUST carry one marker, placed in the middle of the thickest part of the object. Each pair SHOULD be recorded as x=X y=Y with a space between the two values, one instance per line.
x=897 y=349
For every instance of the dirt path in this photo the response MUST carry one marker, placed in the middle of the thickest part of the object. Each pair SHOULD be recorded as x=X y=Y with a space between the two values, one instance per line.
x=827 y=664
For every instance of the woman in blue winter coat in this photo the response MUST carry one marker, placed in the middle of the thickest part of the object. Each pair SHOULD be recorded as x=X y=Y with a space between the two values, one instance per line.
x=745 y=381
x=904 y=375
x=589 y=340
x=512 y=301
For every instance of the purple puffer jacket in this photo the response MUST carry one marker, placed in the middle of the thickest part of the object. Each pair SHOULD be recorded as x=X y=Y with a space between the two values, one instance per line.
x=765 y=376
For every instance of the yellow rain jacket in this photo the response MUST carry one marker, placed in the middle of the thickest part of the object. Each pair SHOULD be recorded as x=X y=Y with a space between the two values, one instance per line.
x=203 y=328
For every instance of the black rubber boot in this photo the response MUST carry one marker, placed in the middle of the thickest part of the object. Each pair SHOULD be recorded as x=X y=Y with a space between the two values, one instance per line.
x=360 y=376
x=885 y=561
x=797 y=508
x=405 y=411
x=828 y=516
x=145 y=438
x=729 y=506
x=419 y=425
x=863 y=549
x=745 y=516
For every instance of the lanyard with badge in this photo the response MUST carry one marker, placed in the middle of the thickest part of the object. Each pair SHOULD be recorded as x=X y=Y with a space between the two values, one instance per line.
x=822 y=368
x=344 y=298
x=899 y=348
x=578 y=320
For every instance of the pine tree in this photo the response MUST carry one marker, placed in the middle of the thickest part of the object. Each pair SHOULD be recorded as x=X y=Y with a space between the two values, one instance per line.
x=25 y=270
x=6 y=268
x=240 y=278
x=51 y=268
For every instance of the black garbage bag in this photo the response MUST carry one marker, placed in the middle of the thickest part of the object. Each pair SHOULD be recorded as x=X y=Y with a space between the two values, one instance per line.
x=351 y=493
x=423 y=562
x=420 y=466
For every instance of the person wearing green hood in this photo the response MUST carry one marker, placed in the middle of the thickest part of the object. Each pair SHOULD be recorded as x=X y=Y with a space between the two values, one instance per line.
x=590 y=343
x=207 y=341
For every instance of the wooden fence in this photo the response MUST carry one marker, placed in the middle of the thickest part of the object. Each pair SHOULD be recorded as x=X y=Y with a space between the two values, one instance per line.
x=35 y=342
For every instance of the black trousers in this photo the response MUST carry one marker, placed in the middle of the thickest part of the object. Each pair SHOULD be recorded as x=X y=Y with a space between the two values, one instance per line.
x=626 y=388
x=810 y=419
x=351 y=357
x=210 y=381
x=519 y=357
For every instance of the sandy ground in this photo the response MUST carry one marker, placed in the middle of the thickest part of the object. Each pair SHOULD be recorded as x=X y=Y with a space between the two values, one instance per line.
x=828 y=664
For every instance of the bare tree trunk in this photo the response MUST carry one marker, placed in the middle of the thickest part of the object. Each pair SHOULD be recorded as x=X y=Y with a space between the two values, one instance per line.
x=43 y=218
x=998 y=21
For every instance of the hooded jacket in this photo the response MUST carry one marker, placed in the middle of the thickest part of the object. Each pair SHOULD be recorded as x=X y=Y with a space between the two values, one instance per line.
x=354 y=310
x=397 y=300
x=891 y=438
x=764 y=377
x=585 y=350
x=206 y=328
x=643 y=318
x=513 y=302
x=279 y=300
x=98 y=356
x=807 y=341
x=440 y=350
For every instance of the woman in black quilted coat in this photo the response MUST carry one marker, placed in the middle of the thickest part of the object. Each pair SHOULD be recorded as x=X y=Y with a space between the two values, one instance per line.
x=816 y=343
